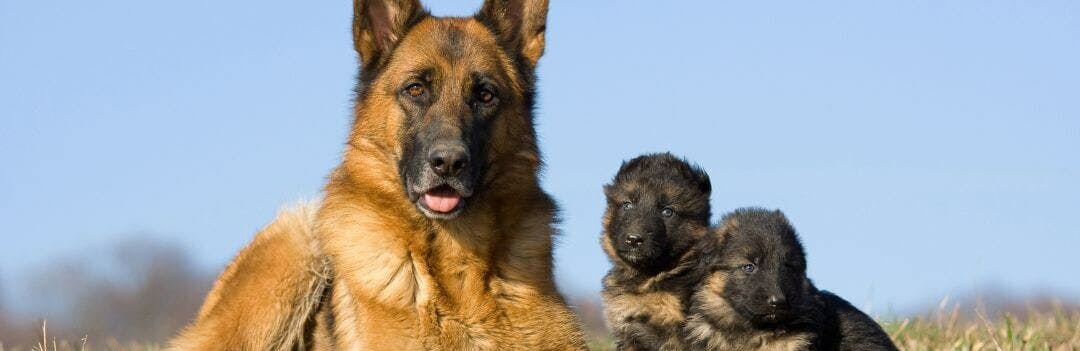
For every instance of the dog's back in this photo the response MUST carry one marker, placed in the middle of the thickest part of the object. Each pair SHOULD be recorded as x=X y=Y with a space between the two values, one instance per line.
x=853 y=329
x=267 y=294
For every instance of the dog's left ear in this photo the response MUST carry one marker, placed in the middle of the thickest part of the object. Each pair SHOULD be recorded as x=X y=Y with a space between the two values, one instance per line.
x=520 y=24
x=701 y=178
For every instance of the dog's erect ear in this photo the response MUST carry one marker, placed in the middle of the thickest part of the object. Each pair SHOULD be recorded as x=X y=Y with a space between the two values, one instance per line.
x=702 y=179
x=518 y=23
x=379 y=24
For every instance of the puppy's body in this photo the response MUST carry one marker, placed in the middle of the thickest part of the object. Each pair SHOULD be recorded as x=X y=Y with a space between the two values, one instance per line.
x=756 y=296
x=658 y=208
x=646 y=313
x=434 y=233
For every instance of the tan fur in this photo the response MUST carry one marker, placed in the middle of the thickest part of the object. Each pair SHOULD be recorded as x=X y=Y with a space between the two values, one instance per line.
x=397 y=279
x=642 y=302
x=660 y=309
x=267 y=310
x=717 y=332
x=629 y=307
x=481 y=281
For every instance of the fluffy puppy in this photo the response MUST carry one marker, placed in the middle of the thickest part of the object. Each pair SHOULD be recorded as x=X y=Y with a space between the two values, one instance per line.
x=657 y=210
x=755 y=294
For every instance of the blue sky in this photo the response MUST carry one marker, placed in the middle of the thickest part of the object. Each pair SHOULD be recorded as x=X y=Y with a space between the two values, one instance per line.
x=921 y=148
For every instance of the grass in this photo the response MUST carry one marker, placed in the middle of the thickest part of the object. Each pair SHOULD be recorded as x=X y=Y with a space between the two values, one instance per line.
x=945 y=329
x=1057 y=329
x=958 y=330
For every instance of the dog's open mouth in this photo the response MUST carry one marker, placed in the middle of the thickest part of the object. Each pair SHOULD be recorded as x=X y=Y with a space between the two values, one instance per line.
x=442 y=199
x=442 y=202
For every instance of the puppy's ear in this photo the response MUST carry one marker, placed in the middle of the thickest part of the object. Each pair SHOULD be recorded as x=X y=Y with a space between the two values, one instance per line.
x=519 y=24
x=702 y=180
x=781 y=217
x=379 y=24
x=726 y=228
x=709 y=246
x=609 y=190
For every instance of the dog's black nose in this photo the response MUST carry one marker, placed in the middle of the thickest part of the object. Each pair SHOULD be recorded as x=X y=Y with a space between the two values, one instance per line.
x=777 y=301
x=634 y=239
x=448 y=161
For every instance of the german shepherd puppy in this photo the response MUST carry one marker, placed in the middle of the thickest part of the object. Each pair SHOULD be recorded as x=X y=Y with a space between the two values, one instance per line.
x=657 y=209
x=756 y=296
x=434 y=233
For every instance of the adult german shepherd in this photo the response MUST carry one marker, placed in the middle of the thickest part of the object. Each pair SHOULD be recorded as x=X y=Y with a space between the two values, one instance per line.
x=434 y=232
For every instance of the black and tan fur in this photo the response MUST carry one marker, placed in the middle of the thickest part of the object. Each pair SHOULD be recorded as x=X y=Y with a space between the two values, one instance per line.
x=756 y=296
x=657 y=209
x=444 y=106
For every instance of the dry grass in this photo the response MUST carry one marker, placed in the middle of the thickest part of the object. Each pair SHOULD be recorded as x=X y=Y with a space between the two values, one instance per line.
x=51 y=343
x=945 y=329
x=955 y=329
x=952 y=329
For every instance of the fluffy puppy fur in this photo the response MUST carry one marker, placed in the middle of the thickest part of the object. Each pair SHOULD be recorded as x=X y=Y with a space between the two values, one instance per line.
x=756 y=296
x=657 y=209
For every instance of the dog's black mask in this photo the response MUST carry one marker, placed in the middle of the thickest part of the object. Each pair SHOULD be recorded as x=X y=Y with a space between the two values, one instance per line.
x=657 y=207
x=766 y=266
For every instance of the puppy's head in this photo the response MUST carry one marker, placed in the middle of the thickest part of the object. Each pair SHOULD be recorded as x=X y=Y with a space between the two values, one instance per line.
x=657 y=208
x=758 y=267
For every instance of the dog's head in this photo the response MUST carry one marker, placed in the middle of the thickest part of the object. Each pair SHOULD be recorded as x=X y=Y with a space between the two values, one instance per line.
x=446 y=98
x=657 y=208
x=761 y=265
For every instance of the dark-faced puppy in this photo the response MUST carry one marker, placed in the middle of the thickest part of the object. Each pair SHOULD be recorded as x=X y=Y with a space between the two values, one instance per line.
x=755 y=294
x=657 y=209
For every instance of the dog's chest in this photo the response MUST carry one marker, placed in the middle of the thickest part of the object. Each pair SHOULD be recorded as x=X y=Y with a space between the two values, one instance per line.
x=645 y=319
x=659 y=308
x=465 y=304
x=707 y=336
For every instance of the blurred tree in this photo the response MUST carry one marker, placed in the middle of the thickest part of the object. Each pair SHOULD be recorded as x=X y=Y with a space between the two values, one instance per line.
x=139 y=291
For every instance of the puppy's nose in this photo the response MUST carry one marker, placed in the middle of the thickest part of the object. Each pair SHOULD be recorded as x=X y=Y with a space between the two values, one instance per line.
x=634 y=239
x=448 y=161
x=777 y=301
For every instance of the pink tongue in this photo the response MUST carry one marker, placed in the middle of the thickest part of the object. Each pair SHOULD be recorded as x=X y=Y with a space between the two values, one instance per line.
x=441 y=200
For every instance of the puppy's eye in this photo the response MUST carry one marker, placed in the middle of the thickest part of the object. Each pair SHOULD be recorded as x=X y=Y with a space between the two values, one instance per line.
x=415 y=90
x=485 y=96
x=667 y=212
x=749 y=268
x=627 y=205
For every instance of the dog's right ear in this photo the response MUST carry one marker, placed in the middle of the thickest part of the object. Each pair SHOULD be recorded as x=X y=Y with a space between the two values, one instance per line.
x=379 y=24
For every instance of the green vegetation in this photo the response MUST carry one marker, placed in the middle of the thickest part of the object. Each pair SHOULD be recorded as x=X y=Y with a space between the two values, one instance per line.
x=1057 y=329
x=1053 y=330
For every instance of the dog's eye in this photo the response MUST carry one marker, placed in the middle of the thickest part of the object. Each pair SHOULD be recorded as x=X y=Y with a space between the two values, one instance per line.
x=667 y=212
x=627 y=205
x=485 y=96
x=749 y=268
x=415 y=90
